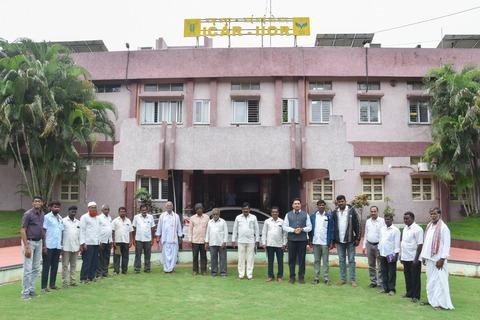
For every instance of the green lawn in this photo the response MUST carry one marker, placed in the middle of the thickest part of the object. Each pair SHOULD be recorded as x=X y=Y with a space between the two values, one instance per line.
x=181 y=296
x=466 y=229
x=10 y=222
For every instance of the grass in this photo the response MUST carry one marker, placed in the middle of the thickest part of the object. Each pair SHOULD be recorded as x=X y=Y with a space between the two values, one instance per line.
x=181 y=296
x=466 y=229
x=10 y=222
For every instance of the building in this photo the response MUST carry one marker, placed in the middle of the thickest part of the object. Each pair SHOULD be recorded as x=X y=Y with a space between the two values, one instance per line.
x=264 y=125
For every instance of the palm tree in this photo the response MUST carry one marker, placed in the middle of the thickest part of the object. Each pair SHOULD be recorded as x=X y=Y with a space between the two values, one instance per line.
x=47 y=107
x=455 y=107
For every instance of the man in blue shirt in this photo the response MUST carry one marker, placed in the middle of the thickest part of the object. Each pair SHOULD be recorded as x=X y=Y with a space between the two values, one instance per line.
x=53 y=226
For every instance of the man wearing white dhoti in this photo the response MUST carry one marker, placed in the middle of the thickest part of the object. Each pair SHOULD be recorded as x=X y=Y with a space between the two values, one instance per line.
x=435 y=251
x=169 y=229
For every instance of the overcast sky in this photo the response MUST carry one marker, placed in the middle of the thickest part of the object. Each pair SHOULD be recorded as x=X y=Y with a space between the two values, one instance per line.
x=140 y=22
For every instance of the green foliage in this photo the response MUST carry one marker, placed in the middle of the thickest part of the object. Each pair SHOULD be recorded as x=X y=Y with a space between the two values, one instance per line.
x=145 y=198
x=388 y=209
x=455 y=109
x=359 y=202
x=47 y=108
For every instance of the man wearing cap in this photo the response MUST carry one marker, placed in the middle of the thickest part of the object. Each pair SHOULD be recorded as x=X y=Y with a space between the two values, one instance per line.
x=71 y=246
x=247 y=233
x=143 y=225
x=53 y=226
x=169 y=229
x=122 y=240
x=32 y=235
x=105 y=247
x=197 y=231
x=89 y=243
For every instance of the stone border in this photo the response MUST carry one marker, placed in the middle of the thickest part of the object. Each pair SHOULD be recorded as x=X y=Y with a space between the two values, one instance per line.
x=9 y=242
x=466 y=244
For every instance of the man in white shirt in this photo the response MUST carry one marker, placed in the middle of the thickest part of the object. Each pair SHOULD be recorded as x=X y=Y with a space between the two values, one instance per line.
x=216 y=240
x=169 y=230
x=71 y=246
x=143 y=228
x=89 y=242
x=274 y=241
x=122 y=240
x=389 y=247
x=412 y=242
x=246 y=233
x=370 y=245
x=105 y=247
x=321 y=237
x=347 y=236
x=435 y=252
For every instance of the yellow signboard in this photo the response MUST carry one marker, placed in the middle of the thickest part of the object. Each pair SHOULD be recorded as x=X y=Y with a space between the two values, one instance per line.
x=213 y=27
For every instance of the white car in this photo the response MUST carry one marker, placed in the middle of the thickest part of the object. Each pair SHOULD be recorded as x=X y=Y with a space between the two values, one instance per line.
x=229 y=214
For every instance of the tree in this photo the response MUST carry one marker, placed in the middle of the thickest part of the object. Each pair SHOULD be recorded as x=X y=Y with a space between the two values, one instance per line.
x=47 y=108
x=455 y=151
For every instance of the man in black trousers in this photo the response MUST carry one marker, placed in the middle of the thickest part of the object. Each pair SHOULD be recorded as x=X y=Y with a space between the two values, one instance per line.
x=412 y=243
x=297 y=225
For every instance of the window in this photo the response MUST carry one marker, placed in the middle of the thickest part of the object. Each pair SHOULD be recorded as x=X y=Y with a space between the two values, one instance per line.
x=322 y=189
x=415 y=160
x=365 y=86
x=366 y=161
x=289 y=110
x=419 y=112
x=246 y=111
x=69 y=190
x=149 y=87
x=373 y=188
x=107 y=88
x=320 y=85
x=320 y=111
x=97 y=161
x=158 y=188
x=369 y=111
x=246 y=85
x=415 y=85
x=159 y=111
x=422 y=189
x=201 y=111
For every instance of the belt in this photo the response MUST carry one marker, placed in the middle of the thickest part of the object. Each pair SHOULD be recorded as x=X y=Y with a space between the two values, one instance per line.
x=373 y=243
x=34 y=239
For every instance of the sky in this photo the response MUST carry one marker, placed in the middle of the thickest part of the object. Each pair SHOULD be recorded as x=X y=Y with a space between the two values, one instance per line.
x=140 y=22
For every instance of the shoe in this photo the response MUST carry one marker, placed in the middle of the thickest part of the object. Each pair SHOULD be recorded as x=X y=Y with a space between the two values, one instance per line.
x=354 y=284
x=54 y=288
x=26 y=297
x=315 y=281
x=280 y=280
x=241 y=278
x=204 y=273
x=249 y=278
x=301 y=281
x=137 y=271
x=33 y=294
x=223 y=275
x=146 y=271
x=269 y=280
x=194 y=273
x=327 y=282
x=405 y=296
x=414 y=300
x=292 y=280
x=382 y=291
x=391 y=293
x=342 y=283
x=424 y=303
x=45 y=290
x=124 y=272
x=372 y=285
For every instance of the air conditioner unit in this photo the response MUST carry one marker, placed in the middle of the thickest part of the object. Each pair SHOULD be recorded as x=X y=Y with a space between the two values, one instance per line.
x=423 y=166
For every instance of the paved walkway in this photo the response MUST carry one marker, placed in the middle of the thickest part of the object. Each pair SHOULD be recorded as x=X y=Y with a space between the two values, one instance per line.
x=11 y=256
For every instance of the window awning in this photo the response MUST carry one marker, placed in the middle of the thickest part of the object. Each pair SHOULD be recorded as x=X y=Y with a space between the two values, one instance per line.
x=245 y=95
x=374 y=173
x=161 y=95
x=321 y=95
x=370 y=95
x=427 y=174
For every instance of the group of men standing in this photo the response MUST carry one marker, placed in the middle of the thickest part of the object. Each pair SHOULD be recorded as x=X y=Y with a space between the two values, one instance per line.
x=94 y=235
x=46 y=237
